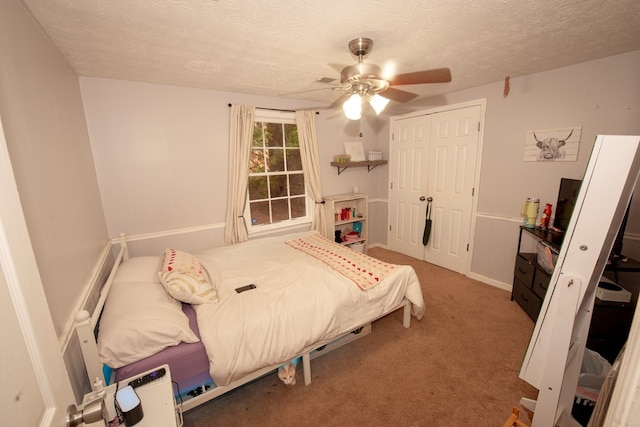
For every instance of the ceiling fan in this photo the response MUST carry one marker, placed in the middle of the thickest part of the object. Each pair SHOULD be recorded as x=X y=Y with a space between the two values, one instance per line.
x=364 y=81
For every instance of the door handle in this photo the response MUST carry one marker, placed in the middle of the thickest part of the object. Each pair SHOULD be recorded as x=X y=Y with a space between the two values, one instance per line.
x=422 y=198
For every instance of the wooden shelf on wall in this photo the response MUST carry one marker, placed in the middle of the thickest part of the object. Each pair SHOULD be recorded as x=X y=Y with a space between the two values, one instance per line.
x=370 y=164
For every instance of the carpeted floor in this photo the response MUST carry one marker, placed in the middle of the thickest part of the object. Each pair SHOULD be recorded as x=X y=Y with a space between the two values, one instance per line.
x=458 y=366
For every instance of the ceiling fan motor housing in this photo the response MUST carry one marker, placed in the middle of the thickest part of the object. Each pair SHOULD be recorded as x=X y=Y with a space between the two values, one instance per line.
x=364 y=76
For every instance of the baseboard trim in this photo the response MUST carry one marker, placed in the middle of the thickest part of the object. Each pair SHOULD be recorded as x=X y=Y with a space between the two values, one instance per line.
x=492 y=282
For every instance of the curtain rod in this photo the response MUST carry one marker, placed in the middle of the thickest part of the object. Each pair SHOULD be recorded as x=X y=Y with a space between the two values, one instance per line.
x=275 y=109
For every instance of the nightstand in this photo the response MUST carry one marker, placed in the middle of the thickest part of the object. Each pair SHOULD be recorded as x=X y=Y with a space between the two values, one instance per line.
x=158 y=404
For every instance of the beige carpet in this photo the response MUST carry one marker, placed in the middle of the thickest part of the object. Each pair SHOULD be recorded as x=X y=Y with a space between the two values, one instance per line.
x=458 y=366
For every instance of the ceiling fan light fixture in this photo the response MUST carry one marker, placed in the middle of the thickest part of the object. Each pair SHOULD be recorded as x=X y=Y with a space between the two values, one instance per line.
x=364 y=81
x=353 y=107
x=378 y=103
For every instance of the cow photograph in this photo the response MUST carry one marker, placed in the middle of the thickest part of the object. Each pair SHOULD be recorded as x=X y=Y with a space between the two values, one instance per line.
x=552 y=145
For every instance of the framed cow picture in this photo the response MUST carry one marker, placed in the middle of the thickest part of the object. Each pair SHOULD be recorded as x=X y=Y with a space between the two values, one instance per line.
x=552 y=145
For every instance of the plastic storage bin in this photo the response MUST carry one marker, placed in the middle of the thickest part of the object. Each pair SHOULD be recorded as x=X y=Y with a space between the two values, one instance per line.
x=375 y=155
x=357 y=246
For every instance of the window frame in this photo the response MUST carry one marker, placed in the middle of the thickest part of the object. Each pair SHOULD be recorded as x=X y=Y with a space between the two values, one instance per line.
x=282 y=117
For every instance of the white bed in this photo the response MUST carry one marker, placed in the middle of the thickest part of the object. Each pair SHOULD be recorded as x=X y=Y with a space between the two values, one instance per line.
x=299 y=303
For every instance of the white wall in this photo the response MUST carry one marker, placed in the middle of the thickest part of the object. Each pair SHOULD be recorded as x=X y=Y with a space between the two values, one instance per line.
x=46 y=134
x=161 y=153
x=602 y=96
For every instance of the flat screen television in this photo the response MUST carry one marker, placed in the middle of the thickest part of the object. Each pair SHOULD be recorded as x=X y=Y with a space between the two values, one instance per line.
x=616 y=250
x=567 y=196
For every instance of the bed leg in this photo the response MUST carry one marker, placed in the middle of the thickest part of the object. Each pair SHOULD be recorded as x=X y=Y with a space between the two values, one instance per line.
x=306 y=367
x=406 y=322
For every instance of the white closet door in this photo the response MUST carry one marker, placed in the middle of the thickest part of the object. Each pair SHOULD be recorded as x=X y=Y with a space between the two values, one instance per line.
x=453 y=148
x=434 y=154
x=407 y=185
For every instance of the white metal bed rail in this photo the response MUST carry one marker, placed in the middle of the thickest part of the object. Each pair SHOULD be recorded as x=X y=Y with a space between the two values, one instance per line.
x=86 y=324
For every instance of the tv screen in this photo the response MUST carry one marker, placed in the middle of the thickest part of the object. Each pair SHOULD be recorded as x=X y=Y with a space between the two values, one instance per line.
x=567 y=196
x=616 y=250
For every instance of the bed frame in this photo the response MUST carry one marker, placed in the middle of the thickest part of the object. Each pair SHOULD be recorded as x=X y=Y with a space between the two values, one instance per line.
x=86 y=327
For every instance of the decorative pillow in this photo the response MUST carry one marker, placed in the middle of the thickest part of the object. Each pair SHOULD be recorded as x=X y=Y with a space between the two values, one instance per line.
x=182 y=262
x=188 y=287
x=140 y=318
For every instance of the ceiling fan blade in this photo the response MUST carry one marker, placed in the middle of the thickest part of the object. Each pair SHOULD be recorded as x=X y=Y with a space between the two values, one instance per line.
x=437 y=75
x=326 y=79
x=308 y=90
x=398 y=95
x=338 y=102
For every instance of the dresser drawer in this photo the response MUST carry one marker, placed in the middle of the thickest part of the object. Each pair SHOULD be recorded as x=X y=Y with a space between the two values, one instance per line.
x=541 y=283
x=524 y=270
x=525 y=297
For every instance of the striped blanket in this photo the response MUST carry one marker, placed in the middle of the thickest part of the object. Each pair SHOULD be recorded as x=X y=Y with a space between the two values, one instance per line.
x=365 y=271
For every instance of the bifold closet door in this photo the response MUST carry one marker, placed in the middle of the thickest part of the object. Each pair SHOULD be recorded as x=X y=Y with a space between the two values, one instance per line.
x=409 y=147
x=453 y=150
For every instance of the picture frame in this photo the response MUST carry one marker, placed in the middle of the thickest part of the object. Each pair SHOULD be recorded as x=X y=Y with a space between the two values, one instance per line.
x=355 y=149
x=553 y=145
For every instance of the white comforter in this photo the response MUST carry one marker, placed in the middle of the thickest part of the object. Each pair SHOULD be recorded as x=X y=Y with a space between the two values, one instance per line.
x=298 y=304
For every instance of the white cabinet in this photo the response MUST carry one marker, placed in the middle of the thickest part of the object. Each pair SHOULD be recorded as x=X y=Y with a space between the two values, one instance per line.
x=345 y=214
x=156 y=397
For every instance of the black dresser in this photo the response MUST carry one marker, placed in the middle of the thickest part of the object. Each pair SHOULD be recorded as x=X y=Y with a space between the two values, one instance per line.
x=610 y=321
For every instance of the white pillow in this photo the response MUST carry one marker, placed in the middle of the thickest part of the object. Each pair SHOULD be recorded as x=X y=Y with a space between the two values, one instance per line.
x=182 y=262
x=140 y=318
x=187 y=287
x=139 y=269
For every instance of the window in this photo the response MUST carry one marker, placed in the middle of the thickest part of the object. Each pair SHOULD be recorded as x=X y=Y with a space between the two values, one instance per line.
x=276 y=186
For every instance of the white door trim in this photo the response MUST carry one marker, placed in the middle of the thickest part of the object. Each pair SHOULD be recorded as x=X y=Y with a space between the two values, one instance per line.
x=27 y=295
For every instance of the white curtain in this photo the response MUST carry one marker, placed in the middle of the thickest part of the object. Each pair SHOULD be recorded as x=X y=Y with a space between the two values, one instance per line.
x=306 y=123
x=240 y=138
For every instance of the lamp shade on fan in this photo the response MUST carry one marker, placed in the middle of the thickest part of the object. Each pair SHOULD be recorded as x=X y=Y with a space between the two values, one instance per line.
x=353 y=107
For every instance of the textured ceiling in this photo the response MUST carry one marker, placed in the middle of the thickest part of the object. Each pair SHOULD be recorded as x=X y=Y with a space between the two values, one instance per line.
x=281 y=46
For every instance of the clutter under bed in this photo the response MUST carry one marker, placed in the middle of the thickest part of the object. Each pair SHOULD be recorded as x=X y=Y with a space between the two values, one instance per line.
x=189 y=311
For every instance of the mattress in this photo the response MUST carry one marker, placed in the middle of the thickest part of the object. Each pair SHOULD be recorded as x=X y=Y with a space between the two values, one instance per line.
x=188 y=362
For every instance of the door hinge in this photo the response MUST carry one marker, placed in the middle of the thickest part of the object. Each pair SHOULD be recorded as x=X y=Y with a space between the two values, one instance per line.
x=478 y=126
x=473 y=191
x=467 y=247
x=391 y=184
x=389 y=227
